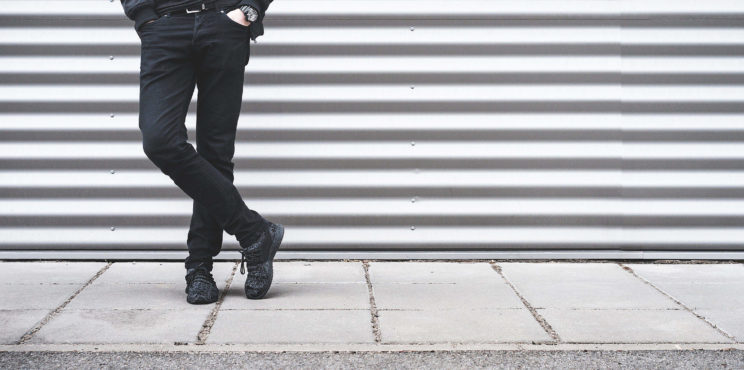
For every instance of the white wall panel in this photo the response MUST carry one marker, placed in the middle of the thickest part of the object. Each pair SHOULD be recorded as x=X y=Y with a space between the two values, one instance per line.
x=578 y=128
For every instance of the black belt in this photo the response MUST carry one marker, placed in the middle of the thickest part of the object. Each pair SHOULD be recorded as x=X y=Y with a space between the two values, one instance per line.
x=197 y=8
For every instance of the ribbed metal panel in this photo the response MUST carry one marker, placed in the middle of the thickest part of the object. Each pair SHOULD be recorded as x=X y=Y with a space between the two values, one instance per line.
x=401 y=126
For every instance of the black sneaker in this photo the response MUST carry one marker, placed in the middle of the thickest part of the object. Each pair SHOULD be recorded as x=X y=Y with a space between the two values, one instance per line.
x=259 y=257
x=200 y=287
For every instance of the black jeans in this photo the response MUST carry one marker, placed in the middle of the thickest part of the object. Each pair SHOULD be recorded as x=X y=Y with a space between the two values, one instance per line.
x=209 y=50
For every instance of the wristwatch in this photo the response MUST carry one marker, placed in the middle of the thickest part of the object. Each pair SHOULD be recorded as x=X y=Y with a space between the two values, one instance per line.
x=251 y=14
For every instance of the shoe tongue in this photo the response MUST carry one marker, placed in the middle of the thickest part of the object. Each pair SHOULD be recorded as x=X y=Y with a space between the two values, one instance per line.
x=199 y=275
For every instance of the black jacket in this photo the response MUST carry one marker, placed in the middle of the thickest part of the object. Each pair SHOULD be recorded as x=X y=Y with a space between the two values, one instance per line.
x=141 y=11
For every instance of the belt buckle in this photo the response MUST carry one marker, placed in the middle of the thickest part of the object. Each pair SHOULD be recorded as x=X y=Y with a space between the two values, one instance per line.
x=197 y=10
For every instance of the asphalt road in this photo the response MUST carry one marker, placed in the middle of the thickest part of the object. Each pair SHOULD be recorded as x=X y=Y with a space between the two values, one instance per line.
x=650 y=359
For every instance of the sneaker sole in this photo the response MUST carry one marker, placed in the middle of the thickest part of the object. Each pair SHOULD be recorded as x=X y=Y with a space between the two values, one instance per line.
x=198 y=301
x=274 y=247
x=201 y=302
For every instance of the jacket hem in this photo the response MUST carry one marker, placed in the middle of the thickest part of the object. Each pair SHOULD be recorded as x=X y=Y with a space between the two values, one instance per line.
x=143 y=15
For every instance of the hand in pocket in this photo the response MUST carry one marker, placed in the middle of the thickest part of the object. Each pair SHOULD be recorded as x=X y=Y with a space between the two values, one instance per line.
x=238 y=16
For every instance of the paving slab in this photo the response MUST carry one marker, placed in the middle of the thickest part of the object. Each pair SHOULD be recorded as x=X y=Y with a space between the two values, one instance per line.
x=15 y=323
x=292 y=326
x=156 y=273
x=431 y=272
x=133 y=296
x=706 y=286
x=459 y=326
x=35 y=296
x=685 y=272
x=306 y=285
x=123 y=326
x=618 y=295
x=565 y=271
x=49 y=272
x=300 y=295
x=42 y=285
x=477 y=294
x=582 y=285
x=729 y=320
x=316 y=272
x=630 y=326
x=715 y=291
x=696 y=295
x=138 y=302
x=143 y=285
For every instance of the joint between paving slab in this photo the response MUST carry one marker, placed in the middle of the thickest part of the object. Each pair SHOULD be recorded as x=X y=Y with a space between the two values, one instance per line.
x=201 y=338
x=541 y=320
x=678 y=302
x=372 y=305
x=27 y=336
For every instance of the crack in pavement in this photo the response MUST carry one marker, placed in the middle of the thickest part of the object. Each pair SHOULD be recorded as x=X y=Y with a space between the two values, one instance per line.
x=27 y=336
x=201 y=338
x=372 y=305
x=629 y=270
x=541 y=320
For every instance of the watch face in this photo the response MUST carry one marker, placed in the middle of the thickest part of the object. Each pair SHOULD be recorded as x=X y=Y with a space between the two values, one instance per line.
x=250 y=13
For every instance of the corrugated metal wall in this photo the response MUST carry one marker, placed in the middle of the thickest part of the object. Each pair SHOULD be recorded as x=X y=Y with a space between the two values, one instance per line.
x=404 y=125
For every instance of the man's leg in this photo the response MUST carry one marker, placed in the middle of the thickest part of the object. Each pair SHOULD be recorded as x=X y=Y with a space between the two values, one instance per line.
x=204 y=239
x=167 y=77
x=221 y=57
x=218 y=108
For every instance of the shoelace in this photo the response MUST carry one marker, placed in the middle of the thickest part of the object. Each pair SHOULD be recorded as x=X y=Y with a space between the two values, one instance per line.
x=202 y=276
x=250 y=258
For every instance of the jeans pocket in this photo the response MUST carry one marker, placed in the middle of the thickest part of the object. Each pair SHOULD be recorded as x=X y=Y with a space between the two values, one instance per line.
x=226 y=18
x=148 y=24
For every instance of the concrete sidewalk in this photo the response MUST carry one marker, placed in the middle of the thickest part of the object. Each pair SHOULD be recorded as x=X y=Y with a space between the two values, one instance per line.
x=376 y=306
